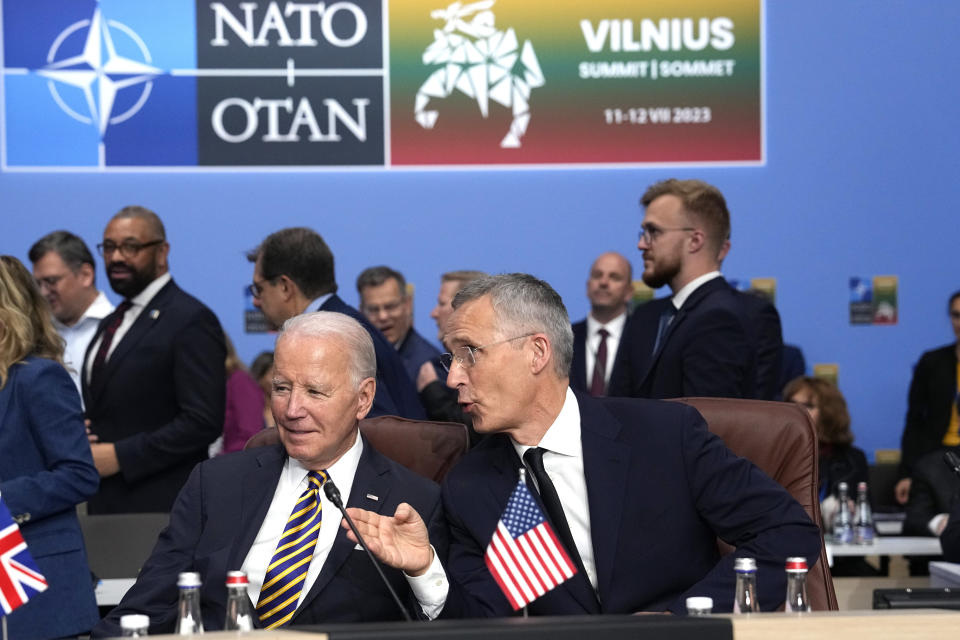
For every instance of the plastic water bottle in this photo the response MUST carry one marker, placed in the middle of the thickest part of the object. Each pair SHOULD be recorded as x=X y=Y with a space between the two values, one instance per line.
x=134 y=625
x=699 y=606
x=745 y=599
x=843 y=522
x=863 y=531
x=188 y=609
x=239 y=617
x=797 y=601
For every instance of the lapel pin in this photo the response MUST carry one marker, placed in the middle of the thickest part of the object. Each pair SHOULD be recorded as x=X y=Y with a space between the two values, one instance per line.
x=154 y=314
x=373 y=497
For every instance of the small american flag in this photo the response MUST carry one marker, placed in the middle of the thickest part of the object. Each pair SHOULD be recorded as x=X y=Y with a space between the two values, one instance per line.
x=525 y=556
x=19 y=578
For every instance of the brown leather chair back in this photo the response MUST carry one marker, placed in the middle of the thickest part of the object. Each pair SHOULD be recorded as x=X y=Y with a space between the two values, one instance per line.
x=779 y=438
x=429 y=449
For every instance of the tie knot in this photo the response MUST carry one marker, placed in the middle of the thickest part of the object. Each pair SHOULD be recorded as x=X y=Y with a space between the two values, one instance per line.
x=316 y=478
x=603 y=333
x=534 y=457
x=123 y=307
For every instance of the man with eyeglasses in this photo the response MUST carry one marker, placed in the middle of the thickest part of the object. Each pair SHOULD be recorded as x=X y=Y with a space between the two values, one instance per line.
x=638 y=491
x=67 y=276
x=706 y=339
x=153 y=376
x=388 y=307
x=293 y=273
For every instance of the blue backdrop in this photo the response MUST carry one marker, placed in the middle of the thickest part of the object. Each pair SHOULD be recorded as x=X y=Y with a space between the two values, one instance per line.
x=860 y=180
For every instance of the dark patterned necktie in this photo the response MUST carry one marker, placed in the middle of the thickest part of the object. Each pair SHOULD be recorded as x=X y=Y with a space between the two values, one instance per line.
x=598 y=384
x=116 y=319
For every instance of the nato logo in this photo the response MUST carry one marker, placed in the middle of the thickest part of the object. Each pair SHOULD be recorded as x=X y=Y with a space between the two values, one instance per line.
x=117 y=84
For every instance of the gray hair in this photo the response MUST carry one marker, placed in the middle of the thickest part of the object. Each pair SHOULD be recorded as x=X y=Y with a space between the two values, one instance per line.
x=325 y=324
x=524 y=304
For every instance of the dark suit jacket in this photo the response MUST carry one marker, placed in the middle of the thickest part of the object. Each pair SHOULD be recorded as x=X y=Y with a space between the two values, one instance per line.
x=578 y=366
x=767 y=336
x=932 y=491
x=842 y=463
x=932 y=393
x=45 y=471
x=950 y=538
x=707 y=350
x=414 y=351
x=660 y=489
x=217 y=517
x=396 y=395
x=160 y=400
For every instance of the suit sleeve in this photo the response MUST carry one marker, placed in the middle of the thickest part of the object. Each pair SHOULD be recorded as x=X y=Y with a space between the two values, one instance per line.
x=55 y=423
x=200 y=382
x=155 y=592
x=912 y=444
x=716 y=358
x=921 y=506
x=747 y=510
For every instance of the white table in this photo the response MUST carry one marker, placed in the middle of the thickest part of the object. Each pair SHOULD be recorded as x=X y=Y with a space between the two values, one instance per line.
x=887 y=546
x=109 y=591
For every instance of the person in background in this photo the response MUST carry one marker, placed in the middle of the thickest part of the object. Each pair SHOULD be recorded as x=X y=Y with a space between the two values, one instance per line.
x=932 y=407
x=46 y=468
x=67 y=276
x=386 y=304
x=262 y=371
x=245 y=406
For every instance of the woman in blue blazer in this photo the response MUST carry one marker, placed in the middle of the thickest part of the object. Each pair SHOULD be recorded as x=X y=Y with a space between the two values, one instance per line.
x=45 y=464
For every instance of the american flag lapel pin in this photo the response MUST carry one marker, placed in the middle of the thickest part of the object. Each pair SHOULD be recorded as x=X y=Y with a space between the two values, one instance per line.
x=370 y=496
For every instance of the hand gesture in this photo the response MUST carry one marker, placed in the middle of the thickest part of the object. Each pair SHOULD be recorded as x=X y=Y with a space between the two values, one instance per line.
x=400 y=541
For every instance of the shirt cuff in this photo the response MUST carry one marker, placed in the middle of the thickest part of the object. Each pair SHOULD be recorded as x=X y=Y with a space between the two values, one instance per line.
x=431 y=588
x=934 y=524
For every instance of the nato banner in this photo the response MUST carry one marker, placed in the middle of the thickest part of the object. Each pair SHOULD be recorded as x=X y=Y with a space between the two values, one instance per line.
x=193 y=84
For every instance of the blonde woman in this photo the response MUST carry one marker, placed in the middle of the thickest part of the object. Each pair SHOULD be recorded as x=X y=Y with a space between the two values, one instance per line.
x=45 y=464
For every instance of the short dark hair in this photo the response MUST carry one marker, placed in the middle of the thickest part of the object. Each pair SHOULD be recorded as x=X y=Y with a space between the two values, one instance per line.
x=956 y=294
x=70 y=247
x=142 y=213
x=300 y=254
x=376 y=276
x=701 y=200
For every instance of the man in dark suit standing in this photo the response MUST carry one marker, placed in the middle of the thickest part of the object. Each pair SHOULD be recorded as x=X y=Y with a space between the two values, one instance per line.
x=706 y=339
x=637 y=490
x=293 y=273
x=385 y=302
x=153 y=375
x=264 y=510
x=597 y=338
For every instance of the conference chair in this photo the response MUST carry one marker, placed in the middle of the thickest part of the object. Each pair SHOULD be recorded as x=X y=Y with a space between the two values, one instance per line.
x=427 y=448
x=779 y=438
x=119 y=543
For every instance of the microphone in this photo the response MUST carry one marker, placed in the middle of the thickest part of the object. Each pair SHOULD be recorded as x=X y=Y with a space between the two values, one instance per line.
x=952 y=461
x=333 y=495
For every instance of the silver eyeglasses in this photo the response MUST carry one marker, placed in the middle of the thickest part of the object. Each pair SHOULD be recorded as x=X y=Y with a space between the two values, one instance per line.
x=466 y=356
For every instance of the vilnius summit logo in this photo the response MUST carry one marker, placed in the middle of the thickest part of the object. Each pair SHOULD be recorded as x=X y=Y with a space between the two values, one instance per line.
x=119 y=84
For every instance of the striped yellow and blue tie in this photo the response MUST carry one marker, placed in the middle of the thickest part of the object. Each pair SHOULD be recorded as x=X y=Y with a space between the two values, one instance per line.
x=288 y=568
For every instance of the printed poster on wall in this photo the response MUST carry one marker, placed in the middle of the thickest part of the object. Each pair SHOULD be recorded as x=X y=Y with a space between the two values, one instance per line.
x=120 y=85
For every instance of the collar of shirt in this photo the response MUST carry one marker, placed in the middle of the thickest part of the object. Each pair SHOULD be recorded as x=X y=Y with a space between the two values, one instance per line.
x=143 y=298
x=341 y=472
x=614 y=327
x=563 y=436
x=316 y=303
x=99 y=309
x=681 y=296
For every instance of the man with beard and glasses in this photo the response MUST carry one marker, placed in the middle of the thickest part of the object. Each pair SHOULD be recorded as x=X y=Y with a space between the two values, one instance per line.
x=707 y=339
x=153 y=376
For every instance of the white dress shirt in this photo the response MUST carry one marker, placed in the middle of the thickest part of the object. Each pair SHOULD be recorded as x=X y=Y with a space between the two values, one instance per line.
x=563 y=462
x=615 y=330
x=681 y=296
x=78 y=336
x=430 y=589
x=138 y=303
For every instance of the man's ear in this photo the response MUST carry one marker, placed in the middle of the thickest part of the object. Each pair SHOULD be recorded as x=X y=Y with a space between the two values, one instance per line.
x=288 y=287
x=542 y=353
x=85 y=275
x=365 y=394
x=696 y=241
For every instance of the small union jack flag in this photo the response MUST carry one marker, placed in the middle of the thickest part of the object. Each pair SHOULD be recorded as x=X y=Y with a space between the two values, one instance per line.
x=19 y=577
x=525 y=556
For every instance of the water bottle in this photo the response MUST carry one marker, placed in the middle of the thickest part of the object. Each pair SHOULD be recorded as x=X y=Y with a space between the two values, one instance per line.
x=863 y=531
x=188 y=609
x=239 y=617
x=797 y=601
x=699 y=606
x=134 y=625
x=745 y=598
x=843 y=522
